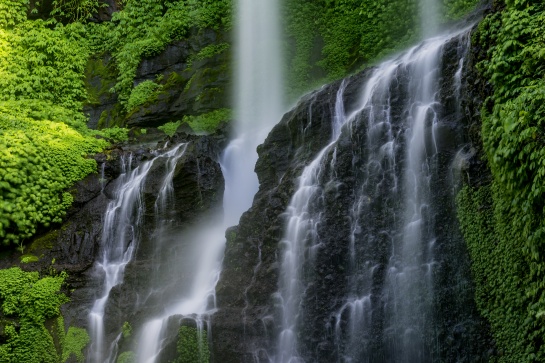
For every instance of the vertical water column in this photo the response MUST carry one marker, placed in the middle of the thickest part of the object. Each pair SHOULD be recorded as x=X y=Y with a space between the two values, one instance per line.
x=430 y=17
x=411 y=268
x=258 y=107
x=258 y=99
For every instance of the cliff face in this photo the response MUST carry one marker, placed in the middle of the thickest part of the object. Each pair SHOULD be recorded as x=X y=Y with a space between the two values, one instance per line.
x=75 y=246
x=193 y=82
x=250 y=273
x=248 y=322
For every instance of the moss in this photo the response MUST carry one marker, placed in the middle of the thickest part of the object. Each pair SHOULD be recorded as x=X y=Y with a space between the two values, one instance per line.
x=100 y=77
x=127 y=357
x=30 y=301
x=192 y=346
x=27 y=258
x=501 y=273
x=75 y=341
x=112 y=117
x=46 y=242
x=209 y=122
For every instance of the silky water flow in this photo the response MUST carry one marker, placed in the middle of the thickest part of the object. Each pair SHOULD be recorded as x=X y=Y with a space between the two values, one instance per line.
x=400 y=140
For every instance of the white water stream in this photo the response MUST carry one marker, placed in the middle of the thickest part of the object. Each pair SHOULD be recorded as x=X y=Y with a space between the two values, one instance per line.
x=120 y=238
x=258 y=107
x=408 y=289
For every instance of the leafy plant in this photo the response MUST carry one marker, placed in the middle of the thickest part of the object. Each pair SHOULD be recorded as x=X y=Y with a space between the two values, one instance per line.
x=127 y=357
x=75 y=10
x=116 y=134
x=192 y=346
x=75 y=341
x=12 y=12
x=208 y=122
x=504 y=223
x=170 y=127
x=126 y=330
x=142 y=93
x=40 y=159
x=30 y=300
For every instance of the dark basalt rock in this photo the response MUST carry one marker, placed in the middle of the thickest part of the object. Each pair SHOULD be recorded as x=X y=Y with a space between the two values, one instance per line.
x=74 y=246
x=198 y=191
x=246 y=299
x=246 y=326
x=192 y=87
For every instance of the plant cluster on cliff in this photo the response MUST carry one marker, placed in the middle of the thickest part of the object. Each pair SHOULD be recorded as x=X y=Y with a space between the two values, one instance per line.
x=504 y=223
x=144 y=28
x=27 y=302
x=43 y=135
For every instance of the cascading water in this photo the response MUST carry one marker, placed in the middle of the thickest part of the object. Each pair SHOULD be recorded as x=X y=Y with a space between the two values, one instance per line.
x=397 y=227
x=120 y=239
x=258 y=108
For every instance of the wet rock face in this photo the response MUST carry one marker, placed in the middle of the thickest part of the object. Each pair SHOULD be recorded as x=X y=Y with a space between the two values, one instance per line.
x=198 y=190
x=247 y=324
x=75 y=246
x=245 y=293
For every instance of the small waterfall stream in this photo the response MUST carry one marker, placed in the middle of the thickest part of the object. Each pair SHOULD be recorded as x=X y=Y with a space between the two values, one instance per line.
x=120 y=239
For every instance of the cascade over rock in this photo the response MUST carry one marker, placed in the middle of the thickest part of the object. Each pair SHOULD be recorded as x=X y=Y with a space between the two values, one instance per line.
x=250 y=270
x=248 y=322
x=74 y=246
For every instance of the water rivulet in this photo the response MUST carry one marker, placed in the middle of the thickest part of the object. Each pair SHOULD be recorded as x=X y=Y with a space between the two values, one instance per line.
x=351 y=251
x=150 y=251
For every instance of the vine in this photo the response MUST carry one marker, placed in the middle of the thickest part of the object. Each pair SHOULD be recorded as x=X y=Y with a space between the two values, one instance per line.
x=504 y=224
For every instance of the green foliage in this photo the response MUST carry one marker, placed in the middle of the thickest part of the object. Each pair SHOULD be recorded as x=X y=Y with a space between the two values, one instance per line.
x=502 y=273
x=170 y=127
x=75 y=341
x=144 y=92
x=40 y=159
x=115 y=134
x=75 y=10
x=145 y=27
x=349 y=33
x=29 y=258
x=37 y=62
x=126 y=357
x=209 y=122
x=208 y=52
x=126 y=330
x=331 y=38
x=12 y=12
x=505 y=224
x=513 y=123
x=457 y=9
x=43 y=134
x=192 y=346
x=30 y=300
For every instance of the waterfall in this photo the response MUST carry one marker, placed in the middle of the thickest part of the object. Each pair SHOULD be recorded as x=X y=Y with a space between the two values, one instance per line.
x=120 y=238
x=397 y=227
x=258 y=103
x=258 y=107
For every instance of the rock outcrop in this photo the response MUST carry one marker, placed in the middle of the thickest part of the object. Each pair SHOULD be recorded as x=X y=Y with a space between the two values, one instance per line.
x=246 y=327
x=195 y=79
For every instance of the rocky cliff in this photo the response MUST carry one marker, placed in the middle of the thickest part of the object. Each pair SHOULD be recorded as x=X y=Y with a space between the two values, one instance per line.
x=247 y=324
